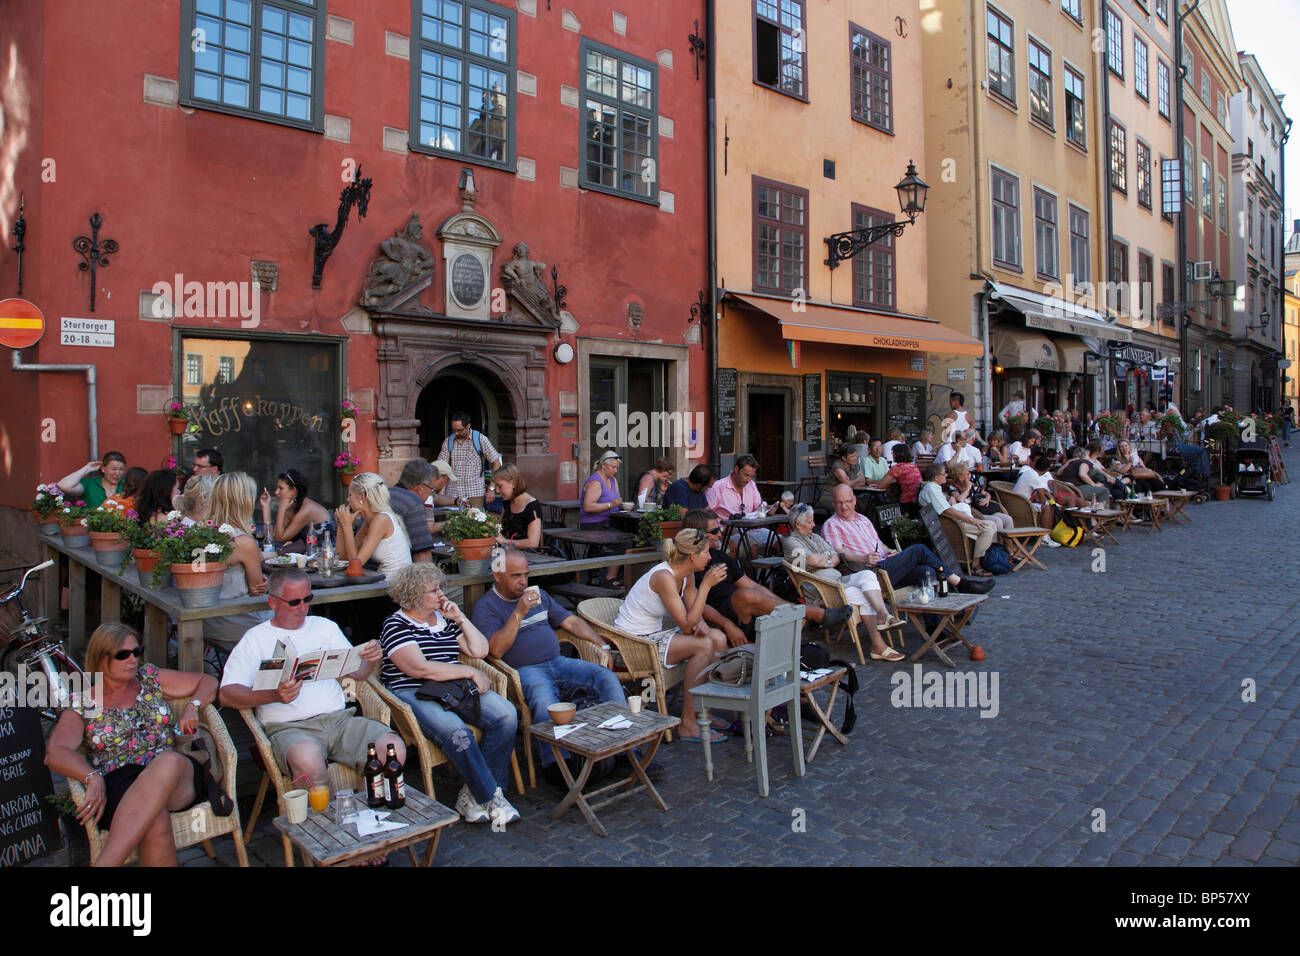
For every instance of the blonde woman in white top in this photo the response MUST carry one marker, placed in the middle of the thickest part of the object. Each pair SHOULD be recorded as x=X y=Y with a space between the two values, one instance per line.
x=381 y=536
x=668 y=590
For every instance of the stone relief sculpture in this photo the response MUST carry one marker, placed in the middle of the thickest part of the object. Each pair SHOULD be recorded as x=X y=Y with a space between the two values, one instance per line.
x=525 y=280
x=403 y=263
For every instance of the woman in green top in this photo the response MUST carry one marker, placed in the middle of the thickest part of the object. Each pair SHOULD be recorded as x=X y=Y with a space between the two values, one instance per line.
x=96 y=490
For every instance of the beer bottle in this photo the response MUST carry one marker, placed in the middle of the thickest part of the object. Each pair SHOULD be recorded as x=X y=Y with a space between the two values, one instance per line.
x=374 y=777
x=394 y=785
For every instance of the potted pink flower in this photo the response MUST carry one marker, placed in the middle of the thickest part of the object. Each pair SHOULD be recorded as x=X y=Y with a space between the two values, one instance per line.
x=346 y=465
x=177 y=417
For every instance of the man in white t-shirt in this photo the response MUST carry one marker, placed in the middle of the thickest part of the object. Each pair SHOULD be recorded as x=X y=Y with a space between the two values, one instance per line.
x=960 y=449
x=305 y=720
x=895 y=439
x=1035 y=483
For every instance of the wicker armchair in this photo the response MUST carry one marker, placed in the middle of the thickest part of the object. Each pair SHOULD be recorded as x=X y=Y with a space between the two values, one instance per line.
x=961 y=545
x=342 y=777
x=406 y=724
x=832 y=595
x=197 y=824
x=514 y=692
x=1018 y=506
x=640 y=654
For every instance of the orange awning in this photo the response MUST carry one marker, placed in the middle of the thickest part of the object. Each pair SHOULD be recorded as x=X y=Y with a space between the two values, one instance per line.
x=840 y=326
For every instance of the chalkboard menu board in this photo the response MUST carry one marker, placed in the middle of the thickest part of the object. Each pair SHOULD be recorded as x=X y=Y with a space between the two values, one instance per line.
x=939 y=541
x=905 y=408
x=29 y=826
x=812 y=410
x=727 y=410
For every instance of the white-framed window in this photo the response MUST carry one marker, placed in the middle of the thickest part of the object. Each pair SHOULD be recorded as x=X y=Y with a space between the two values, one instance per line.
x=1040 y=82
x=1140 y=79
x=1001 y=54
x=193 y=369
x=1162 y=87
x=1114 y=43
x=1006 y=218
x=1046 y=260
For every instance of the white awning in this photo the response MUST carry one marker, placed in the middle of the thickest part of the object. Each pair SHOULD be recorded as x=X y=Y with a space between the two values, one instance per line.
x=1058 y=315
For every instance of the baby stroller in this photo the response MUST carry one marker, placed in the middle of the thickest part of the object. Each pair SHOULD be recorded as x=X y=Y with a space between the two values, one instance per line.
x=1254 y=472
x=1188 y=469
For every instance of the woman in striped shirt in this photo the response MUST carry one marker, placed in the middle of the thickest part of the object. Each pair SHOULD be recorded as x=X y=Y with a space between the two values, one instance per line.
x=423 y=642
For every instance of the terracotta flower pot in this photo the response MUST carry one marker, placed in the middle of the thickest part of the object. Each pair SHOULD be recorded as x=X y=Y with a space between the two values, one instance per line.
x=1222 y=492
x=178 y=425
x=109 y=547
x=145 y=559
x=345 y=477
x=669 y=529
x=199 y=588
x=474 y=554
x=48 y=524
x=74 y=534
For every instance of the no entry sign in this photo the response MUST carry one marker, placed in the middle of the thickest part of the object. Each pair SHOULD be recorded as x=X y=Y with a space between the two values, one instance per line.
x=21 y=323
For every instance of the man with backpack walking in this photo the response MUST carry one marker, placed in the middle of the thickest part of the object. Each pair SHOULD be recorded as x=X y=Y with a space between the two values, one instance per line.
x=470 y=454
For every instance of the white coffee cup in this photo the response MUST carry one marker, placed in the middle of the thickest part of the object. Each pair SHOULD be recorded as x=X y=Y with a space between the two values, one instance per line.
x=300 y=560
x=634 y=703
x=295 y=805
x=629 y=506
x=535 y=591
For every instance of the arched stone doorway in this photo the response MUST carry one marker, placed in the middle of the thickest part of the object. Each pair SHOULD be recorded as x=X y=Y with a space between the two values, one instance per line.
x=470 y=389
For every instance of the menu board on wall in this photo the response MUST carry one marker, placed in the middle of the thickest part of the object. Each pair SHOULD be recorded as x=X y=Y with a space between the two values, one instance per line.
x=812 y=410
x=29 y=826
x=905 y=408
x=727 y=410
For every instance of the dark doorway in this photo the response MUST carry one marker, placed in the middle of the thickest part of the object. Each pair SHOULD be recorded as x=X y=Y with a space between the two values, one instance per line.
x=464 y=388
x=769 y=429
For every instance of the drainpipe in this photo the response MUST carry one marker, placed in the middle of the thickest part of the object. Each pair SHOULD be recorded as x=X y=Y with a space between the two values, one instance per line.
x=1180 y=133
x=710 y=138
x=92 y=412
x=977 y=270
x=1103 y=151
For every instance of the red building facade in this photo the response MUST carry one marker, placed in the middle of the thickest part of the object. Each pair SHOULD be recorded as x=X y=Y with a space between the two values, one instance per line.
x=211 y=135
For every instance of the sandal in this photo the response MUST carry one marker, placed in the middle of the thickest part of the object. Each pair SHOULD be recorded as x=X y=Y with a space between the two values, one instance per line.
x=890 y=656
x=894 y=621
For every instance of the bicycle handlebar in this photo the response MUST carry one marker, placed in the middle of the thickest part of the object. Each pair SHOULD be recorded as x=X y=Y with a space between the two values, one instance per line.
x=23 y=583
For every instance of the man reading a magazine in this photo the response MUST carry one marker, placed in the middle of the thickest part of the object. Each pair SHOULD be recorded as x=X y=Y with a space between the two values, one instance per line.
x=305 y=720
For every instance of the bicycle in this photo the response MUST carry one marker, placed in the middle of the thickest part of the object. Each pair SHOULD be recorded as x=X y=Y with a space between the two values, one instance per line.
x=26 y=646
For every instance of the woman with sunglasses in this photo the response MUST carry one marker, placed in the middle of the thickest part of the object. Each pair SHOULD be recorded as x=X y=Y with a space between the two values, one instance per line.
x=668 y=590
x=132 y=775
x=295 y=511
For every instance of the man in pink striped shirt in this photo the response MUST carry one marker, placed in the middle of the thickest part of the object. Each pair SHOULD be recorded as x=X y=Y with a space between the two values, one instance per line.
x=855 y=538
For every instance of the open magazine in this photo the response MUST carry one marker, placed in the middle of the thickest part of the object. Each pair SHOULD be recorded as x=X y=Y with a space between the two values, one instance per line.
x=284 y=665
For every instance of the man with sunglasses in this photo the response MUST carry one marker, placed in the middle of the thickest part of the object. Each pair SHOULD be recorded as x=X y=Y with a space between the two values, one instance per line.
x=739 y=599
x=306 y=720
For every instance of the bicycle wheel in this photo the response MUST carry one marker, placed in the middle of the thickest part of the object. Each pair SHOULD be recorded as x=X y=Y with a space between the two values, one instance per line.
x=46 y=675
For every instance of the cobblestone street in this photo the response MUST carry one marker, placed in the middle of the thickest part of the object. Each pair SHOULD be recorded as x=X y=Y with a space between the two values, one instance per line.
x=1120 y=692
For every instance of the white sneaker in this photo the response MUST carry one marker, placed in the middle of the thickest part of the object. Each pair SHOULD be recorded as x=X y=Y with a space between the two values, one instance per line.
x=471 y=810
x=501 y=809
x=1049 y=543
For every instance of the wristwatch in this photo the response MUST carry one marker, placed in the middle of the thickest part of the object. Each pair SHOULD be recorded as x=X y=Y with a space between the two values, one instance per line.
x=198 y=704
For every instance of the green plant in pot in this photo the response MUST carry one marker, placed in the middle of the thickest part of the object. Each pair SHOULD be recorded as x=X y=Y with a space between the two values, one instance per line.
x=474 y=532
x=656 y=525
x=74 y=834
x=142 y=547
x=908 y=531
x=200 y=548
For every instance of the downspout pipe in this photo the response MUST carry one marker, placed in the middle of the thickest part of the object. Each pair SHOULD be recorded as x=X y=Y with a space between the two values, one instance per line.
x=1103 y=151
x=711 y=139
x=92 y=410
x=1180 y=132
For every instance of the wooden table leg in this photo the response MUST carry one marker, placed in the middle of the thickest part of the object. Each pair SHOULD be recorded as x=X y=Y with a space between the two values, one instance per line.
x=76 y=606
x=639 y=768
x=824 y=718
x=191 y=646
x=574 y=796
x=155 y=634
x=930 y=638
x=110 y=601
x=957 y=622
x=431 y=848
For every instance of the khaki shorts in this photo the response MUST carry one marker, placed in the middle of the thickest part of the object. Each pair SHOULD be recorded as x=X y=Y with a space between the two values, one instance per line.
x=343 y=736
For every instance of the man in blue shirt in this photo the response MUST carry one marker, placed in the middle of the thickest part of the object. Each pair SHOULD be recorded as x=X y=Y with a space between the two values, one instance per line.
x=689 y=491
x=518 y=625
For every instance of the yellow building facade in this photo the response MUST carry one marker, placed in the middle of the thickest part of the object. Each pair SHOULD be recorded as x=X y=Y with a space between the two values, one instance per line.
x=1014 y=99
x=819 y=108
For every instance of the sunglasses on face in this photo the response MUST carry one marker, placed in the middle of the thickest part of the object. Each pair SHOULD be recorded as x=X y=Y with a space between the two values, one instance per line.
x=296 y=601
x=126 y=652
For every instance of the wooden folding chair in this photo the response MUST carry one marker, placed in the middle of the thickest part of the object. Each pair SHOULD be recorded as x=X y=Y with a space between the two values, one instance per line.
x=831 y=594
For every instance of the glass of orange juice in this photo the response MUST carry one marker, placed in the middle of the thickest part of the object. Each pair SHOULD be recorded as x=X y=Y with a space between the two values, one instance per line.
x=318 y=796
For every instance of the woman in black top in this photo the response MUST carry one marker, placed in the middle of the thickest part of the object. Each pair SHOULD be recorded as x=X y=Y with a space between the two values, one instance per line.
x=521 y=514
